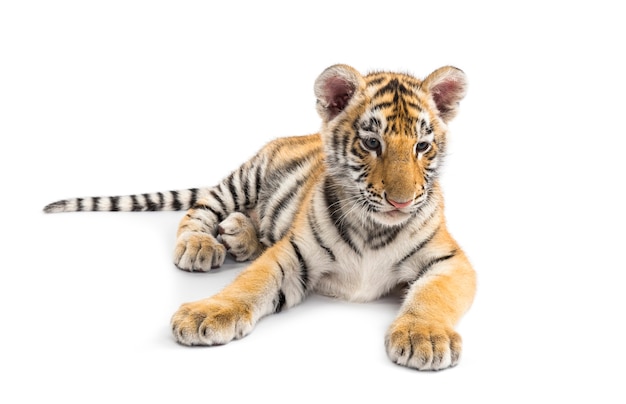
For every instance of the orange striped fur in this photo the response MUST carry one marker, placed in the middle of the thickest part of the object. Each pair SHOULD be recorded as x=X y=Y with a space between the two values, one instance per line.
x=353 y=212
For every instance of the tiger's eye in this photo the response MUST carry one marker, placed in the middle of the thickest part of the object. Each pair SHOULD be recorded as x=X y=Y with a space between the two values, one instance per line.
x=371 y=143
x=422 y=147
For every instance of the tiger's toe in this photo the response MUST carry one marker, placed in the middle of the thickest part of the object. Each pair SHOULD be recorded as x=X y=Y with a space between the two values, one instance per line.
x=197 y=251
x=210 y=322
x=423 y=346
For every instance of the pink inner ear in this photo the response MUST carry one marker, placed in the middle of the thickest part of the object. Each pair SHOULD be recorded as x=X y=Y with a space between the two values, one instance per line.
x=338 y=93
x=446 y=95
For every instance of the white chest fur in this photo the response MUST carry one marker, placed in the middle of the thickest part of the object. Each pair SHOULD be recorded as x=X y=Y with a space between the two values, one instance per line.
x=359 y=278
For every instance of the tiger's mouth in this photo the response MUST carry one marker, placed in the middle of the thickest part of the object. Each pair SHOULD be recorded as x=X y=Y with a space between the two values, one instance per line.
x=396 y=214
x=383 y=212
x=393 y=216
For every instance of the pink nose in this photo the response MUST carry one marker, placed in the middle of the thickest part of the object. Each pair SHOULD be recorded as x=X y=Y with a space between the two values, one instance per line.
x=399 y=205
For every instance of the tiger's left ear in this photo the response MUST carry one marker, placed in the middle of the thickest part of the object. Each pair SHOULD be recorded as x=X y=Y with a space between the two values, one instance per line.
x=447 y=85
x=335 y=88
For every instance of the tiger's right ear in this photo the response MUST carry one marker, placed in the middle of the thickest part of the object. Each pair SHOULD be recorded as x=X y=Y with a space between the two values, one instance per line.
x=335 y=88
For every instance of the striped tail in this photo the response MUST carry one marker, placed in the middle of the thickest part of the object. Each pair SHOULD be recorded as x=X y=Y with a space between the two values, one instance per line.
x=157 y=201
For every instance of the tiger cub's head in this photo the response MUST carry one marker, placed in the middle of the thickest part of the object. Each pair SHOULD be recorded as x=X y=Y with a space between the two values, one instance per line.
x=384 y=135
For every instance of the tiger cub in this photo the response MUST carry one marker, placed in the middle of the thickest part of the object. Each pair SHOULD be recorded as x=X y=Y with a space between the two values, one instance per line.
x=352 y=212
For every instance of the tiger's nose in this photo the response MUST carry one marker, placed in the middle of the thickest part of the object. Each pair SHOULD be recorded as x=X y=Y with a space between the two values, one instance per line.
x=399 y=205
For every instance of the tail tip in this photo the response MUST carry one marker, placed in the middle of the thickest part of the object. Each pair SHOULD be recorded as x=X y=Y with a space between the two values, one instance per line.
x=55 y=207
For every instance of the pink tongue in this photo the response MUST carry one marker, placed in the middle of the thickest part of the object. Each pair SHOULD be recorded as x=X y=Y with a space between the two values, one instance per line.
x=399 y=205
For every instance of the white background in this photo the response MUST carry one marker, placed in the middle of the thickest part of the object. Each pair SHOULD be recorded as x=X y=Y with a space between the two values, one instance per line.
x=118 y=97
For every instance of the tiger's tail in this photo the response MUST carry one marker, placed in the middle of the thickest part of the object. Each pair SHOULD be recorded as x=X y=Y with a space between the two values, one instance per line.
x=156 y=201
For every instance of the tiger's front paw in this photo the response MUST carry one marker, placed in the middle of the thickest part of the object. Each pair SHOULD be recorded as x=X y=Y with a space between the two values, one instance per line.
x=422 y=346
x=240 y=237
x=197 y=251
x=211 y=322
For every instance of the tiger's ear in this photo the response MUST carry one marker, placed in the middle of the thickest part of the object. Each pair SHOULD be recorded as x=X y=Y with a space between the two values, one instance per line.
x=335 y=88
x=447 y=85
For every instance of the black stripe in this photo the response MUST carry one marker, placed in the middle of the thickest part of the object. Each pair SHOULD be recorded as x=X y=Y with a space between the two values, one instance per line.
x=283 y=203
x=304 y=271
x=345 y=141
x=316 y=235
x=246 y=189
x=220 y=202
x=194 y=196
x=411 y=81
x=161 y=200
x=95 y=201
x=291 y=167
x=151 y=206
x=334 y=210
x=386 y=237
x=233 y=191
x=376 y=81
x=383 y=104
x=295 y=164
x=414 y=106
x=418 y=247
x=79 y=204
x=281 y=299
x=359 y=151
x=220 y=189
x=427 y=129
x=393 y=127
x=270 y=238
x=280 y=303
x=395 y=87
x=136 y=206
x=176 y=205
x=434 y=262
x=199 y=205
x=258 y=183
x=115 y=204
x=335 y=143
x=362 y=176
x=272 y=154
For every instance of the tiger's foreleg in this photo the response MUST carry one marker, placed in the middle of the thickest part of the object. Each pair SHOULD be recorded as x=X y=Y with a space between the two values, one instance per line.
x=276 y=280
x=422 y=336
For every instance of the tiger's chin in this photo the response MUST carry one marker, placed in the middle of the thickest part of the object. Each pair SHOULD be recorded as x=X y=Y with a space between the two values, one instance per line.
x=392 y=218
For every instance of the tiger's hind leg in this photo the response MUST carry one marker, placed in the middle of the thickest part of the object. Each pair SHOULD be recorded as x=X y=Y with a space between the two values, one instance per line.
x=202 y=250
x=240 y=237
x=197 y=245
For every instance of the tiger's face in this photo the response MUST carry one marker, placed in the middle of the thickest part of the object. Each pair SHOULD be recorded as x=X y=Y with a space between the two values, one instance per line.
x=385 y=136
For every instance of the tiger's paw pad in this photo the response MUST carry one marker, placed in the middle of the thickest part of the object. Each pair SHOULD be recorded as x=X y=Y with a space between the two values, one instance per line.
x=210 y=322
x=239 y=236
x=422 y=346
x=196 y=251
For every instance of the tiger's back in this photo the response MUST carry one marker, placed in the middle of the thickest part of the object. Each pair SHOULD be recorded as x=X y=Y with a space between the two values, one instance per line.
x=294 y=164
